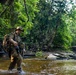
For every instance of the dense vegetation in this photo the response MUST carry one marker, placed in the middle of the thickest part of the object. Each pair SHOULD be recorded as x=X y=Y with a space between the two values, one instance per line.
x=47 y=23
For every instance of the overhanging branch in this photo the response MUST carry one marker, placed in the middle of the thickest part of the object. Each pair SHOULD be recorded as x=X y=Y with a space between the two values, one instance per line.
x=26 y=10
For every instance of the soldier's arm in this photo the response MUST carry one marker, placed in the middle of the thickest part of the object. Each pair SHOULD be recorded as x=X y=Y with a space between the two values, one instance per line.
x=13 y=41
x=22 y=45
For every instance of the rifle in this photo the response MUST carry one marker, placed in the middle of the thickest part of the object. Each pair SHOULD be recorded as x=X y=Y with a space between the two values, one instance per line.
x=20 y=51
x=17 y=49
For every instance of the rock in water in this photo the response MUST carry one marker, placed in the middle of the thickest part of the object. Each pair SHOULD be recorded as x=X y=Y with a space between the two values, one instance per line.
x=52 y=57
x=13 y=72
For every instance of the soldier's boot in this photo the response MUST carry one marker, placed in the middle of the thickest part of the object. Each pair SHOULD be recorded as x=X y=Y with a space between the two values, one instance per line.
x=19 y=70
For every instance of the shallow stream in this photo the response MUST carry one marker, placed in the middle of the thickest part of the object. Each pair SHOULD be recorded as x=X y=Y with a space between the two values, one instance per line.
x=44 y=67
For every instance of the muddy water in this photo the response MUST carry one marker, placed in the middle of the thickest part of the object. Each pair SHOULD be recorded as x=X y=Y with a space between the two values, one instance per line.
x=44 y=67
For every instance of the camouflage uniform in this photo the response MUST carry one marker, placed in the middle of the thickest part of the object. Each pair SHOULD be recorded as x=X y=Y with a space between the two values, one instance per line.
x=16 y=57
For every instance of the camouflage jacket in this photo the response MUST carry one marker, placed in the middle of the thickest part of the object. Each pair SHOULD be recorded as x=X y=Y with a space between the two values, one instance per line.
x=18 y=39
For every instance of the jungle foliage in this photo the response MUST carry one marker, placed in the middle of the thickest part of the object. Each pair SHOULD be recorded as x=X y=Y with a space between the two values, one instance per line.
x=47 y=23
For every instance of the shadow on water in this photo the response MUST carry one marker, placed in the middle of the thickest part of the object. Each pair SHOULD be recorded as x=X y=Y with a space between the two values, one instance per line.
x=44 y=67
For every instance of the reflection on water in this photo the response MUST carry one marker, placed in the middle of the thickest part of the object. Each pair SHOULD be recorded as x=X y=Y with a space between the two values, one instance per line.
x=44 y=67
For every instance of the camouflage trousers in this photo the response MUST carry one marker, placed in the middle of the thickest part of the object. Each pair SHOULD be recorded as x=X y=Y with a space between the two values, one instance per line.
x=16 y=59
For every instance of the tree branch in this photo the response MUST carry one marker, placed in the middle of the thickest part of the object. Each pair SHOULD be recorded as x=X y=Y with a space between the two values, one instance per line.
x=26 y=10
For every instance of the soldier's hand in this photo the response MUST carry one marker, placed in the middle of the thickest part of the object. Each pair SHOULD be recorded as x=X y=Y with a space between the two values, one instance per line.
x=15 y=43
x=24 y=50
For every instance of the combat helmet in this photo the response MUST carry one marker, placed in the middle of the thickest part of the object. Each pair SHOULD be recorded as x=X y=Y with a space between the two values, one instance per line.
x=19 y=28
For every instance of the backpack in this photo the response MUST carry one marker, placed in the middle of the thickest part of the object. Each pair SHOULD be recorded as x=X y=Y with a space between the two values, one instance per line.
x=6 y=42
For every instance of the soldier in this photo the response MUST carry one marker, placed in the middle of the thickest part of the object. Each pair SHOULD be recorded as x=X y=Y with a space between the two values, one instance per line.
x=15 y=55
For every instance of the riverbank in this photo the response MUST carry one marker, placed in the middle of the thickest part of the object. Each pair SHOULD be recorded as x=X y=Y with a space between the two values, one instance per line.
x=53 y=54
